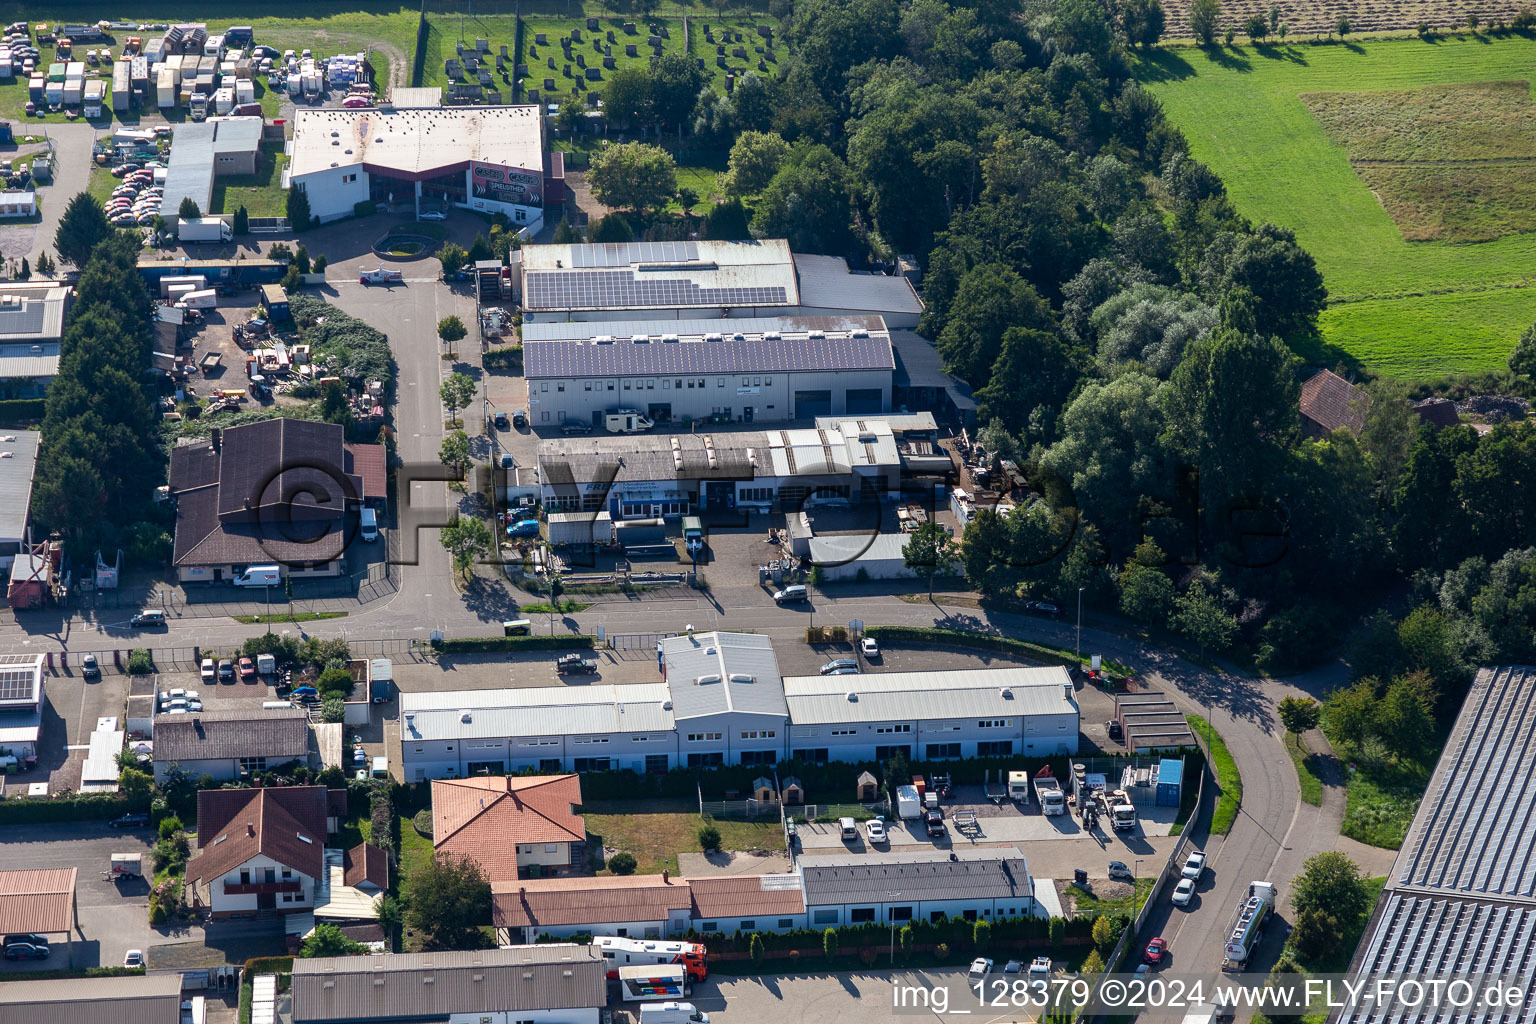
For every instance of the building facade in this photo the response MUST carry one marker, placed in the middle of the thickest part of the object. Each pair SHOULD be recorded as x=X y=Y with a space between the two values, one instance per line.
x=927 y=885
x=720 y=371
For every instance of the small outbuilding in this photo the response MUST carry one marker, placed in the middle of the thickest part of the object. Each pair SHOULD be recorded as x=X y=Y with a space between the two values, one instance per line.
x=1170 y=782
x=791 y=792
x=869 y=787
x=275 y=301
x=763 y=791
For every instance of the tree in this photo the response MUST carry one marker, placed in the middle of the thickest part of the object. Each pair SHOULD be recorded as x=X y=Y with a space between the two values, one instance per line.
x=990 y=299
x=1300 y=714
x=335 y=680
x=1203 y=16
x=908 y=938
x=675 y=84
x=298 y=209
x=83 y=225
x=1146 y=592
x=1034 y=373
x=457 y=389
x=188 y=209
x=709 y=838
x=1472 y=22
x=1274 y=17
x=1256 y=27
x=468 y=540
x=454 y=453
x=301 y=259
x=453 y=258
x=714 y=119
x=930 y=551
x=1316 y=934
x=1342 y=26
x=1093 y=963
x=1350 y=713
x=1200 y=616
x=451 y=329
x=333 y=708
x=627 y=96
x=622 y=863
x=1104 y=933
x=334 y=407
x=612 y=228
x=242 y=221
x=449 y=899
x=829 y=944
x=633 y=176
x=727 y=221
x=1405 y=715
x=293 y=281
x=1282 y=278
x=809 y=202
x=981 y=935
x=755 y=948
x=755 y=159
x=687 y=198
x=1143 y=22
x=1331 y=882
x=45 y=264
x=26 y=272
x=1522 y=360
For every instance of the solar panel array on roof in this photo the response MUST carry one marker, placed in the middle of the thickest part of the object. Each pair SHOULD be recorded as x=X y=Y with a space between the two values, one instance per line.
x=16 y=684
x=727 y=355
x=621 y=290
x=622 y=254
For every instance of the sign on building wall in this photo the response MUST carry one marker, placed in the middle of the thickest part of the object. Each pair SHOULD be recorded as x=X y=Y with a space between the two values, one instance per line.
x=506 y=185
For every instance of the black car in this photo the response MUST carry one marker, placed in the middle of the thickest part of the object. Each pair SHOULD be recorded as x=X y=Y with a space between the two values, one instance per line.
x=89 y=667
x=1050 y=608
x=31 y=938
x=576 y=427
x=519 y=419
x=25 y=951
x=1113 y=728
x=501 y=421
x=129 y=821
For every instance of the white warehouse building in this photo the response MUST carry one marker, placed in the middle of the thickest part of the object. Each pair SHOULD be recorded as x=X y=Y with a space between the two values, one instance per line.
x=489 y=159
x=924 y=885
x=960 y=713
x=732 y=370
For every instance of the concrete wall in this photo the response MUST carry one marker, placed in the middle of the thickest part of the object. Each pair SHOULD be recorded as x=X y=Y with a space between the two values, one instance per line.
x=1034 y=735
x=334 y=192
x=770 y=397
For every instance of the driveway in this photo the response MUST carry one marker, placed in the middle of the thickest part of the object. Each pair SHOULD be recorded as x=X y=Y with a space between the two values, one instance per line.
x=72 y=173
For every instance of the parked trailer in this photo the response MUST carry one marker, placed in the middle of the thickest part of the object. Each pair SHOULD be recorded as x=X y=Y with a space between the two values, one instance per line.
x=662 y=983
x=621 y=952
x=127 y=865
x=197 y=281
x=199 y=300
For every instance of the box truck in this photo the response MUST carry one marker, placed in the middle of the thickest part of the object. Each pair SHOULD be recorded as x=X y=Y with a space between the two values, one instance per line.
x=199 y=300
x=626 y=421
x=260 y=576
x=672 y=1013
x=205 y=229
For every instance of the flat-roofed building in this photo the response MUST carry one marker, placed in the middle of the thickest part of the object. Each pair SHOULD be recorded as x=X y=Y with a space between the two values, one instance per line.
x=722 y=371
x=828 y=286
x=925 y=885
x=930 y=716
x=21 y=706
x=32 y=318
x=18 y=463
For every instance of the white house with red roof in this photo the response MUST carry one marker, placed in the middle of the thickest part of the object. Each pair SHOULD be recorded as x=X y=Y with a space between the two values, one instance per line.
x=512 y=826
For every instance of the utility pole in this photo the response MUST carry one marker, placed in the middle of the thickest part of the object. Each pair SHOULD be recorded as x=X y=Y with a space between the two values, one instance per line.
x=888 y=897
x=1080 y=626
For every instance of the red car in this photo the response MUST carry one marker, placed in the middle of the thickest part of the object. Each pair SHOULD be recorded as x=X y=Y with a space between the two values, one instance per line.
x=1156 y=950
x=247 y=670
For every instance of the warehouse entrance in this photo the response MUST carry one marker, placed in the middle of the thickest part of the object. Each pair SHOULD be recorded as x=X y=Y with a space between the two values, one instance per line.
x=863 y=401
x=810 y=404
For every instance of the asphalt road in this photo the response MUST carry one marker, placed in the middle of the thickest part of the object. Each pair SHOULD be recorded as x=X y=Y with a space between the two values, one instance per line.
x=72 y=173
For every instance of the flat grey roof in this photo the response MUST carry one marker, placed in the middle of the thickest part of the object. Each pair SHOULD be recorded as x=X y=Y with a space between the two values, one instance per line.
x=133 y=999
x=918 y=366
x=189 y=173
x=929 y=696
x=717 y=673
x=535 y=711
x=827 y=283
x=38 y=359
x=409 y=986
x=625 y=357
x=32 y=314
x=961 y=874
x=16 y=481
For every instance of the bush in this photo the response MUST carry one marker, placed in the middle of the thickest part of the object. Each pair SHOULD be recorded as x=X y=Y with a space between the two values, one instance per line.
x=829 y=943
x=1104 y=933
x=335 y=680
x=622 y=863
x=506 y=358
x=333 y=709
x=709 y=838
x=18 y=411
x=140 y=662
x=169 y=826
x=941 y=951
x=422 y=822
x=755 y=948
x=1058 y=931
x=981 y=935
x=157 y=915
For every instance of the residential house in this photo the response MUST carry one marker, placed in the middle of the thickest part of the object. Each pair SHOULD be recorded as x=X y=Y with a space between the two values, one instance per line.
x=258 y=850
x=923 y=885
x=1329 y=402
x=273 y=492
x=230 y=744
x=512 y=826
x=553 y=983
x=636 y=906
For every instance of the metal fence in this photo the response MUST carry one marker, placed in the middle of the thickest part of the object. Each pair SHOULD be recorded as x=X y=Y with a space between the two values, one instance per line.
x=630 y=641
x=740 y=810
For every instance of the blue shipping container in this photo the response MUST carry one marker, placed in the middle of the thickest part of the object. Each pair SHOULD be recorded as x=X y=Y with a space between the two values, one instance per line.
x=1170 y=780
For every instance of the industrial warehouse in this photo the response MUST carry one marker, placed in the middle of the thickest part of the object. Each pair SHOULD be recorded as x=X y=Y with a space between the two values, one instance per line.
x=489 y=159
x=723 y=371
x=723 y=701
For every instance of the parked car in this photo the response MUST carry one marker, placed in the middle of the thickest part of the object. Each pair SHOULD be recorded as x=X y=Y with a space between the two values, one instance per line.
x=207 y=670
x=1183 y=892
x=25 y=951
x=1118 y=872
x=132 y=820
x=980 y=967
x=1013 y=967
x=1050 y=608
x=792 y=594
x=226 y=671
x=519 y=419
x=1112 y=727
x=1194 y=866
x=501 y=421
x=933 y=819
x=576 y=427
x=152 y=618
x=134 y=958
x=1157 y=949
x=433 y=215
x=247 y=670
x=869 y=648
x=31 y=938
x=839 y=663
x=89 y=668
x=875 y=829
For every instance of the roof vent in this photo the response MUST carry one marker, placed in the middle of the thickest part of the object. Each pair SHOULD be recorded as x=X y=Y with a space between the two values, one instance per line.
x=1005 y=693
x=741 y=677
x=852 y=697
x=37 y=350
x=640 y=339
x=668 y=339
x=666 y=705
x=705 y=680
x=7 y=455
x=466 y=717
x=714 y=337
x=772 y=336
x=859 y=332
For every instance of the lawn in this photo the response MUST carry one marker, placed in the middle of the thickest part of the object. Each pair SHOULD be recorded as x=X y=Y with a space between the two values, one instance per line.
x=1242 y=109
x=657 y=838
x=1086 y=904
x=261 y=193
x=1306 y=770
x=1229 y=781
x=1381 y=800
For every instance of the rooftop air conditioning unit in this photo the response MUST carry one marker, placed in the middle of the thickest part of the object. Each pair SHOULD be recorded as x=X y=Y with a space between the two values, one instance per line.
x=852 y=697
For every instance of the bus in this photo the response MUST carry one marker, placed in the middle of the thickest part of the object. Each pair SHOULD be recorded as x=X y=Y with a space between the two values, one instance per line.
x=650 y=984
x=620 y=952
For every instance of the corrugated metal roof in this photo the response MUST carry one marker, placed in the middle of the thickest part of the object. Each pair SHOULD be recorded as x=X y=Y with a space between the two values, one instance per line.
x=625 y=357
x=826 y=283
x=132 y=999
x=646 y=275
x=406 y=986
x=189 y=172
x=37 y=900
x=207 y=735
x=1475 y=830
x=716 y=673
x=957 y=693
x=1420 y=936
x=16 y=481
x=22 y=361
x=920 y=875
x=536 y=711
x=585 y=330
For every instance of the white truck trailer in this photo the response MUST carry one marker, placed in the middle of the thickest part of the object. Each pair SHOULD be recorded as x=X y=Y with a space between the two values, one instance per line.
x=1246 y=928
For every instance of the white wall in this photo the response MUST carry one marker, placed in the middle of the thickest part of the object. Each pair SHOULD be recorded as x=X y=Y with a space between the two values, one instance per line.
x=835 y=915
x=770 y=396
x=760 y=923
x=544 y=854
x=439 y=759
x=730 y=726
x=1036 y=735
x=331 y=194
x=246 y=902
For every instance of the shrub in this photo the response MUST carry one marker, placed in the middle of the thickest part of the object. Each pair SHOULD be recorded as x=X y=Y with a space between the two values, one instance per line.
x=507 y=358
x=140 y=663
x=1103 y=933
x=156 y=915
x=17 y=411
x=981 y=935
x=755 y=947
x=478 y=644
x=333 y=709
x=829 y=943
x=364 y=208
x=169 y=826
x=320 y=264
x=335 y=680
x=1058 y=930
x=941 y=951
x=623 y=863
x=709 y=838
x=868 y=956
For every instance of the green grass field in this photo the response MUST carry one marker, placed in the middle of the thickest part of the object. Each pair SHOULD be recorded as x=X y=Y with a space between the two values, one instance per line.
x=1417 y=310
x=261 y=193
x=1229 y=781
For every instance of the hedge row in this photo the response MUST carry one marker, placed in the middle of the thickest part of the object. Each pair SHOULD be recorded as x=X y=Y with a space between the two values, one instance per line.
x=22 y=810
x=268 y=965
x=979 y=641
x=16 y=411
x=507 y=358
x=74 y=972
x=479 y=644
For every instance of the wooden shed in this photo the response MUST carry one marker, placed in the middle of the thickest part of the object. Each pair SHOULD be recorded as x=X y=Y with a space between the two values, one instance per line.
x=791 y=792
x=275 y=300
x=763 y=791
x=869 y=787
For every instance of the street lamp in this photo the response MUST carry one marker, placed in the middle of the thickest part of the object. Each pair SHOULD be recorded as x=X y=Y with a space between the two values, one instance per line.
x=892 y=921
x=1080 y=625
x=1135 y=889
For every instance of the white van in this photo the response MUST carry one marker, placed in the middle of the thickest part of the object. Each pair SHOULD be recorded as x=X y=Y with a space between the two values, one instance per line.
x=368 y=523
x=260 y=576
x=848 y=829
x=672 y=1013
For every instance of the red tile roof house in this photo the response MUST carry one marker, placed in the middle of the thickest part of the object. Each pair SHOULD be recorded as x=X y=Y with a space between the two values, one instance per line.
x=513 y=826
x=1329 y=402
x=259 y=850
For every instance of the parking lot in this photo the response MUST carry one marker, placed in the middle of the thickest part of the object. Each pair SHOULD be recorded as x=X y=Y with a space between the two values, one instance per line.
x=864 y=995
x=71 y=706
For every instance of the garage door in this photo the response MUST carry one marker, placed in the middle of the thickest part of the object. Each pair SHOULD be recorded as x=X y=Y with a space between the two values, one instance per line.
x=862 y=401
x=810 y=404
